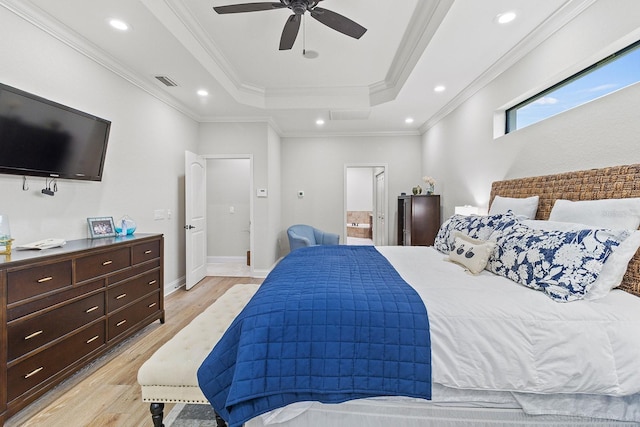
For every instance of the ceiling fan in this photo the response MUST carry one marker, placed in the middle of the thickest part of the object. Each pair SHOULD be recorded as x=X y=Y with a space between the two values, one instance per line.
x=299 y=7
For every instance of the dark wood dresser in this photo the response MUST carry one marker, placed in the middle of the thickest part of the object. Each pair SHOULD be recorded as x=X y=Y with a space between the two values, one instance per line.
x=418 y=220
x=63 y=307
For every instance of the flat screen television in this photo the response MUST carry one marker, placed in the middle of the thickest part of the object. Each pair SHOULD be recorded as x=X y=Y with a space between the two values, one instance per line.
x=39 y=137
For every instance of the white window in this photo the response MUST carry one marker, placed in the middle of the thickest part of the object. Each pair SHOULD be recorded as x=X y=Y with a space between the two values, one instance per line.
x=610 y=74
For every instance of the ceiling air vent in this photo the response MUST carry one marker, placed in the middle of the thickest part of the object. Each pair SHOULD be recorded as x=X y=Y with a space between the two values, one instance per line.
x=166 y=81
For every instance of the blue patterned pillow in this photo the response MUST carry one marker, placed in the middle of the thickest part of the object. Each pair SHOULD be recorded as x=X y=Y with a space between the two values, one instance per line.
x=562 y=264
x=475 y=226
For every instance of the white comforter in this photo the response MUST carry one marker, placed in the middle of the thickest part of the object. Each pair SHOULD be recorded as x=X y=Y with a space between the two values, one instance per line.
x=489 y=333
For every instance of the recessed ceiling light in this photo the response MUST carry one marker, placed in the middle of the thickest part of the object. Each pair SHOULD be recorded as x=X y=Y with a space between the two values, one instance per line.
x=319 y=122
x=119 y=24
x=439 y=88
x=408 y=120
x=505 y=18
x=203 y=92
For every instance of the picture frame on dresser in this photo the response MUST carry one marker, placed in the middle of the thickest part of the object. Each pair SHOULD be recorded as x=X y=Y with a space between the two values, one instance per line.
x=100 y=227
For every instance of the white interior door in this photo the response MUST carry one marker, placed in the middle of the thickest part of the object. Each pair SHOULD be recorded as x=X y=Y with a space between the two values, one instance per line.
x=196 y=217
x=380 y=234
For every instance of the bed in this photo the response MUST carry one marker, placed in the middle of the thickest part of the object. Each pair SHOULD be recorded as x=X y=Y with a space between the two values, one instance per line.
x=501 y=353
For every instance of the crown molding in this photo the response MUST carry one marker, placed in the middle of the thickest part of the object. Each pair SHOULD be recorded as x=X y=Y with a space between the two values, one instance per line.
x=42 y=20
x=569 y=11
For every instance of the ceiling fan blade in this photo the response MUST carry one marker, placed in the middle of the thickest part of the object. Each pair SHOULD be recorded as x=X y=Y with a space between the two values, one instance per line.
x=290 y=32
x=248 y=7
x=338 y=22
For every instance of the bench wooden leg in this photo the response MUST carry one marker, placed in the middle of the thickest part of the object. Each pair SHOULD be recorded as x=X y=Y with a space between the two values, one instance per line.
x=157 y=413
x=219 y=421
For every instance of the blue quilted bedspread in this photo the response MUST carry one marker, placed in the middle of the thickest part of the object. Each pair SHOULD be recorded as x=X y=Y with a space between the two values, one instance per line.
x=329 y=324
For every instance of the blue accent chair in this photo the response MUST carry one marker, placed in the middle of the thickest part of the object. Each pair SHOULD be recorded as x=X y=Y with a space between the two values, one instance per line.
x=301 y=235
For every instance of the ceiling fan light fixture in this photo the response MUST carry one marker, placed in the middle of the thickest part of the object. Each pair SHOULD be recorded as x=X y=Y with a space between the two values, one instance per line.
x=326 y=17
x=310 y=54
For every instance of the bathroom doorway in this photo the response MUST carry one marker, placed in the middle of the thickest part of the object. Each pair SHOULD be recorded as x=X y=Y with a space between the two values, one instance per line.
x=365 y=205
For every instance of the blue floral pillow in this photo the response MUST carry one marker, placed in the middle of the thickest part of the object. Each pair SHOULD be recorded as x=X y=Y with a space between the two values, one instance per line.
x=562 y=264
x=475 y=226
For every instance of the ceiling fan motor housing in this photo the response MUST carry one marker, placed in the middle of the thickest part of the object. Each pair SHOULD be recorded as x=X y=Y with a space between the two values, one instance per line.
x=299 y=7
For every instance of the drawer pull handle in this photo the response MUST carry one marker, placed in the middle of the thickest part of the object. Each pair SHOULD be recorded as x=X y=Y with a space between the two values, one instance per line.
x=32 y=373
x=153 y=282
x=45 y=279
x=107 y=262
x=122 y=322
x=121 y=296
x=89 y=310
x=35 y=334
x=152 y=305
x=147 y=252
x=89 y=341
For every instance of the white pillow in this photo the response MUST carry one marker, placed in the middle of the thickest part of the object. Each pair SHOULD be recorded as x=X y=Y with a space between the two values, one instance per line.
x=473 y=254
x=614 y=267
x=521 y=207
x=614 y=214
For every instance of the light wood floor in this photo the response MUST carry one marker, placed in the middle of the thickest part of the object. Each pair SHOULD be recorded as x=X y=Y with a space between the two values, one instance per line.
x=107 y=394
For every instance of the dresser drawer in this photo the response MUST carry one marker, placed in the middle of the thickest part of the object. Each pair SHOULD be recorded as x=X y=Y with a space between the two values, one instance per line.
x=123 y=320
x=102 y=263
x=123 y=294
x=34 y=370
x=25 y=336
x=53 y=299
x=37 y=280
x=145 y=251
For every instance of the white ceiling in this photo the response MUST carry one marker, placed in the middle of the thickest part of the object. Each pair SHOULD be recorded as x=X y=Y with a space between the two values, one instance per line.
x=389 y=74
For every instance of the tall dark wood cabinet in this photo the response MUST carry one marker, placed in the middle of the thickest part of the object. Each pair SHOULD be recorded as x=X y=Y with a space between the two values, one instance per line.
x=62 y=308
x=418 y=220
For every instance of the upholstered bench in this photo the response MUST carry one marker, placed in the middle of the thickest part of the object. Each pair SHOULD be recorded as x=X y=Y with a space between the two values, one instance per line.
x=169 y=376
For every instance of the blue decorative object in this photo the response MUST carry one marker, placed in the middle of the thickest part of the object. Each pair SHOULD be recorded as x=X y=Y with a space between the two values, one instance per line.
x=125 y=226
x=475 y=226
x=302 y=235
x=562 y=264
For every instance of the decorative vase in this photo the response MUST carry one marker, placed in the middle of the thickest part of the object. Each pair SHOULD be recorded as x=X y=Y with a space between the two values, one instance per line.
x=417 y=190
x=431 y=189
x=5 y=236
x=125 y=226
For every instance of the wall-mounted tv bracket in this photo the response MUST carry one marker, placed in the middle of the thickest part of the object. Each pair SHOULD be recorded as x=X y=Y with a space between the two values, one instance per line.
x=50 y=187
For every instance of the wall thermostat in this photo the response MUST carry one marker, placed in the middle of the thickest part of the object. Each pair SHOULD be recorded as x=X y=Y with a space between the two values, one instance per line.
x=261 y=192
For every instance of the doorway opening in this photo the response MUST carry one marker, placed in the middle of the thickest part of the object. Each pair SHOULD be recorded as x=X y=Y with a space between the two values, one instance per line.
x=229 y=212
x=365 y=204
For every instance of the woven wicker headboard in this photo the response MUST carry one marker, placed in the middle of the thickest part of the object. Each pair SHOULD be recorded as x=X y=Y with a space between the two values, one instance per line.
x=608 y=183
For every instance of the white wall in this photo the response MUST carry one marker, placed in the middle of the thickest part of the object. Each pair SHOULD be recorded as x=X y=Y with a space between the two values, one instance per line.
x=275 y=236
x=258 y=140
x=316 y=165
x=461 y=153
x=144 y=167
x=359 y=189
x=228 y=183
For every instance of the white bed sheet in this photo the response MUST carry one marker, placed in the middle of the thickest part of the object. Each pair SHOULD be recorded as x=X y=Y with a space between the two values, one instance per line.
x=575 y=359
x=587 y=351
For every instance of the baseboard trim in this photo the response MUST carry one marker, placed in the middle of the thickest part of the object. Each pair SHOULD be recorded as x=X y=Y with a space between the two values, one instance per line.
x=175 y=285
x=226 y=259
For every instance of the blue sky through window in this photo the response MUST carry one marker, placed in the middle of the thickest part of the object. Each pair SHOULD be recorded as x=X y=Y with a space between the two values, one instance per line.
x=622 y=71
